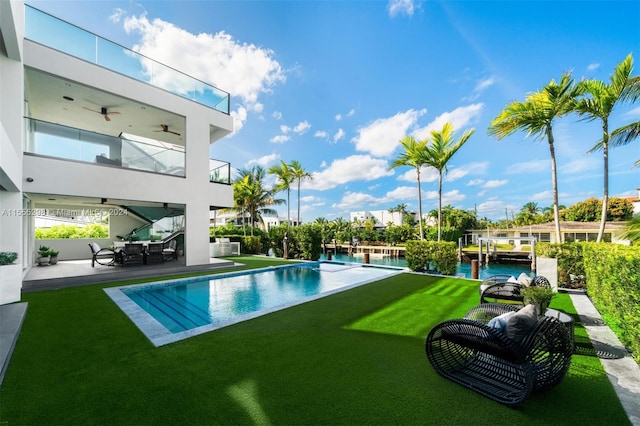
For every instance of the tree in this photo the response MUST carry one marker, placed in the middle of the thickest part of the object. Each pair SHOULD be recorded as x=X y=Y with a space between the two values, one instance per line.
x=285 y=179
x=632 y=230
x=599 y=104
x=251 y=198
x=624 y=135
x=299 y=174
x=536 y=116
x=414 y=155
x=439 y=152
x=401 y=209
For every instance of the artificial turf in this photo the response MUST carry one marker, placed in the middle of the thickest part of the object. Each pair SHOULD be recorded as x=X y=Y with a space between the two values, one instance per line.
x=353 y=358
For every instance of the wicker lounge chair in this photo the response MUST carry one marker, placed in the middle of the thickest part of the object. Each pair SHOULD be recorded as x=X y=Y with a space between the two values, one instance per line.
x=101 y=256
x=133 y=254
x=154 y=253
x=492 y=290
x=482 y=358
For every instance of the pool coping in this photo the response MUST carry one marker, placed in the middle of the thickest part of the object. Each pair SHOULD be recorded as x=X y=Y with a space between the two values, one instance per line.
x=159 y=335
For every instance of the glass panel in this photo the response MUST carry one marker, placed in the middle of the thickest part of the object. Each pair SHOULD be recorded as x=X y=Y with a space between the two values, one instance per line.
x=569 y=237
x=57 y=34
x=544 y=236
x=73 y=144
x=219 y=171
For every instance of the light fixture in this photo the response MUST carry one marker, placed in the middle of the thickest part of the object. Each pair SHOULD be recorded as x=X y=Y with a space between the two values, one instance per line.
x=29 y=179
x=67 y=98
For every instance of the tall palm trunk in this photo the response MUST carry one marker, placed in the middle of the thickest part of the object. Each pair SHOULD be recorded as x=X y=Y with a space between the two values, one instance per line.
x=419 y=205
x=554 y=182
x=605 y=192
x=439 y=206
x=298 y=222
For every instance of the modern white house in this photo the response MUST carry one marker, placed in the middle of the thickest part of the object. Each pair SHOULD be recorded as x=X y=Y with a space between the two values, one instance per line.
x=383 y=218
x=88 y=125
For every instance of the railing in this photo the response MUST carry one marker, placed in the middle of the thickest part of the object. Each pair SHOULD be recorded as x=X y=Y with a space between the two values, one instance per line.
x=55 y=140
x=219 y=171
x=68 y=38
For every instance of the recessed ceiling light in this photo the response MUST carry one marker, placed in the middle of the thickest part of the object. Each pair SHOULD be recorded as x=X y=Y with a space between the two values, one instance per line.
x=68 y=84
x=143 y=107
x=68 y=98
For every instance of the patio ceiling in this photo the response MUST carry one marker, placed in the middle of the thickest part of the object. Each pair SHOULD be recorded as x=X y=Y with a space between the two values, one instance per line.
x=57 y=100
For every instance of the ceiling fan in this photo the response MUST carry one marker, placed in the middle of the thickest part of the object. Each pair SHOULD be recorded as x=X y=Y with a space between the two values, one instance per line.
x=165 y=128
x=104 y=112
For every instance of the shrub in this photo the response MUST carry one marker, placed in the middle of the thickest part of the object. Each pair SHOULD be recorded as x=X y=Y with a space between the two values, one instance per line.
x=613 y=283
x=571 y=272
x=250 y=245
x=7 y=257
x=431 y=255
x=306 y=242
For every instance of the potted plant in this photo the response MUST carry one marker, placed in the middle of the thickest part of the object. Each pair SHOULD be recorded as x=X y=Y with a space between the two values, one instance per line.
x=539 y=296
x=43 y=256
x=7 y=257
x=10 y=277
x=53 y=257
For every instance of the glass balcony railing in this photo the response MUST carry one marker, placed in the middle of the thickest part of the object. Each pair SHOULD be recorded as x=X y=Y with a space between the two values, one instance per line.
x=219 y=171
x=60 y=35
x=69 y=143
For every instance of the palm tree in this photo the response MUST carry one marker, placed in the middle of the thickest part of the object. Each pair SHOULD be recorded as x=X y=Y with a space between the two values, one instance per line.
x=414 y=155
x=536 y=115
x=599 y=104
x=284 y=177
x=251 y=198
x=299 y=174
x=400 y=208
x=624 y=135
x=439 y=152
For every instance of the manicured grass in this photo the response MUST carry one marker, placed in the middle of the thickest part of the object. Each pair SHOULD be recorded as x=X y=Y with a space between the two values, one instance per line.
x=356 y=357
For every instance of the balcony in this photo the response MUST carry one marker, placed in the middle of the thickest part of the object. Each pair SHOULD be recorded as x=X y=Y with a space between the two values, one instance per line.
x=52 y=32
x=219 y=171
x=54 y=140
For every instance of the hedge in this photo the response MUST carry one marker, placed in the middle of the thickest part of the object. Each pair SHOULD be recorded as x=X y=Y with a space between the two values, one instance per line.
x=570 y=262
x=433 y=256
x=613 y=283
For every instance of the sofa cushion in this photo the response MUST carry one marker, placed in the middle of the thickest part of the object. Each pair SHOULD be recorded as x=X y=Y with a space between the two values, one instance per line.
x=519 y=325
x=500 y=321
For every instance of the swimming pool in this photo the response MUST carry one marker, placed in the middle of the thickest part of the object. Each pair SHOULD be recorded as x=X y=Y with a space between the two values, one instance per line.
x=462 y=268
x=169 y=311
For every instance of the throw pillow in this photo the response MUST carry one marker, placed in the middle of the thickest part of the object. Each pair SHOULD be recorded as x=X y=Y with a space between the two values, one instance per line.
x=524 y=279
x=512 y=279
x=520 y=324
x=500 y=321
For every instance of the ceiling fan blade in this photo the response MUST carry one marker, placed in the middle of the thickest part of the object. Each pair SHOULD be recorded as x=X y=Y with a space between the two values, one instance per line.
x=175 y=133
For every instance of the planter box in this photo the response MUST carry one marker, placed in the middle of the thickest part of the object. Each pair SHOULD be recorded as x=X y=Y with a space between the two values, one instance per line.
x=10 y=283
x=548 y=268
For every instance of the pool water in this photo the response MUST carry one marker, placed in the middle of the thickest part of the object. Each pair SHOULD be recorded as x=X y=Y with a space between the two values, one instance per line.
x=463 y=268
x=173 y=310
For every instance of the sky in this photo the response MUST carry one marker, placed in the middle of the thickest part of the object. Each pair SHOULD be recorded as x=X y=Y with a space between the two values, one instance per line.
x=336 y=84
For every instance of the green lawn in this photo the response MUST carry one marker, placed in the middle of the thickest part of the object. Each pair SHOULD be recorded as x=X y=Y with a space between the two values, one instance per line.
x=356 y=357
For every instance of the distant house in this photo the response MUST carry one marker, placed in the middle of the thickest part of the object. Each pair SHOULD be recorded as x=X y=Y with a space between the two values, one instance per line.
x=545 y=232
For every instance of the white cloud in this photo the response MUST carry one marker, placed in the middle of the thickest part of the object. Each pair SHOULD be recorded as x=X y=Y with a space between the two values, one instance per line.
x=427 y=174
x=495 y=183
x=242 y=69
x=380 y=138
x=302 y=127
x=581 y=165
x=491 y=208
x=459 y=118
x=277 y=115
x=593 y=66
x=401 y=7
x=257 y=107
x=264 y=161
x=338 y=117
x=320 y=134
x=484 y=84
x=351 y=112
x=280 y=139
x=356 y=200
x=339 y=135
x=239 y=118
x=633 y=113
x=285 y=129
x=528 y=167
x=475 y=182
x=542 y=196
x=345 y=170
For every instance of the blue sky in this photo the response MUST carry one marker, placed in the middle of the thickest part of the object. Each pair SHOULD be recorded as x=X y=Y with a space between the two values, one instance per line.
x=336 y=84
